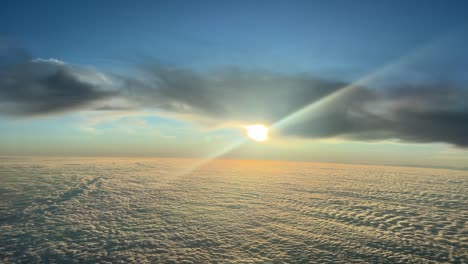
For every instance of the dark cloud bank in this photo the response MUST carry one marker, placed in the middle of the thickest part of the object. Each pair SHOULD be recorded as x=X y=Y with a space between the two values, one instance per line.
x=416 y=113
x=45 y=87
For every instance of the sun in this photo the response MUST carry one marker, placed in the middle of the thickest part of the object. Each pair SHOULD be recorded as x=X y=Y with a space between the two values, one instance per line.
x=257 y=132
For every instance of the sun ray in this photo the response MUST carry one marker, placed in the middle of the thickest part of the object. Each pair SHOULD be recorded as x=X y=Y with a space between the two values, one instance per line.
x=213 y=156
x=291 y=118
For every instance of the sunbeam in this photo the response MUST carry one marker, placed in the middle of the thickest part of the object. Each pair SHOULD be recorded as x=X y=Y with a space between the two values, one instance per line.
x=314 y=106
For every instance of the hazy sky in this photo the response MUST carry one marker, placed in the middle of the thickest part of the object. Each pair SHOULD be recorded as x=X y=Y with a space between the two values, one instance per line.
x=339 y=81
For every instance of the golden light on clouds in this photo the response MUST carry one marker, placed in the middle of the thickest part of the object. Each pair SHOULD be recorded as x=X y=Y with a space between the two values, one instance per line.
x=257 y=132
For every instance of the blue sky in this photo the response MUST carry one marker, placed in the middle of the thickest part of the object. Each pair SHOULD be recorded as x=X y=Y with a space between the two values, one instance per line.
x=282 y=35
x=405 y=42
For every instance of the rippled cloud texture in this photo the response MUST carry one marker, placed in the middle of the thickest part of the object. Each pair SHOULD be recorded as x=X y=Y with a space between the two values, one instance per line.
x=136 y=210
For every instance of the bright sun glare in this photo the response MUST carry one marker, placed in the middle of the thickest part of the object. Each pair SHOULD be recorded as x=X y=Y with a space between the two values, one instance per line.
x=257 y=132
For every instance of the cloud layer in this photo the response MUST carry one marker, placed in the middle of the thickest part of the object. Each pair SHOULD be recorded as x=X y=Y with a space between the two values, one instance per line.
x=118 y=210
x=430 y=112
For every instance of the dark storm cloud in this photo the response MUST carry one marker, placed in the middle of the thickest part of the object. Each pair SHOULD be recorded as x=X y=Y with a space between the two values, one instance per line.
x=418 y=113
x=228 y=94
x=429 y=113
x=413 y=114
x=435 y=112
x=48 y=86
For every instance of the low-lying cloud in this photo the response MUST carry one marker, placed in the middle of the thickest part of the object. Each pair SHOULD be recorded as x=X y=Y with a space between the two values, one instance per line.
x=435 y=112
